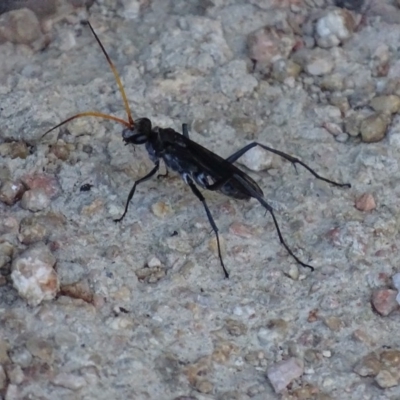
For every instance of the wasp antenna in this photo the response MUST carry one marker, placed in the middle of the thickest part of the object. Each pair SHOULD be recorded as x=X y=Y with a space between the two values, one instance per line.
x=116 y=75
x=90 y=114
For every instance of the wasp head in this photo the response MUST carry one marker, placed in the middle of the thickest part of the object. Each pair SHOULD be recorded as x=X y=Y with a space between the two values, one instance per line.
x=139 y=133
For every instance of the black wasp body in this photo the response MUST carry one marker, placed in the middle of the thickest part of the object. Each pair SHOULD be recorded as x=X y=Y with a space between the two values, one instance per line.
x=193 y=162
x=196 y=165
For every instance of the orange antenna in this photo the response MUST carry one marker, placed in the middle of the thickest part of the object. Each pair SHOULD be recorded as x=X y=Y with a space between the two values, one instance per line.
x=129 y=124
x=117 y=78
x=90 y=114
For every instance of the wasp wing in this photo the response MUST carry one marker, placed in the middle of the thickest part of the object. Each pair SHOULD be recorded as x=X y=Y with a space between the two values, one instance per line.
x=197 y=158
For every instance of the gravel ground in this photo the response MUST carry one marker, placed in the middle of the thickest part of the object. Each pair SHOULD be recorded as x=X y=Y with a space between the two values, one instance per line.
x=91 y=309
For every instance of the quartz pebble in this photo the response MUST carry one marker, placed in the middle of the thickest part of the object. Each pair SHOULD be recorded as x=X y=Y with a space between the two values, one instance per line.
x=282 y=373
x=33 y=275
x=257 y=159
x=35 y=200
x=334 y=27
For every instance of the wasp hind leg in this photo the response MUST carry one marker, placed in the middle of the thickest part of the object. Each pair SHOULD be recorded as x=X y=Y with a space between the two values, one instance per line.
x=235 y=156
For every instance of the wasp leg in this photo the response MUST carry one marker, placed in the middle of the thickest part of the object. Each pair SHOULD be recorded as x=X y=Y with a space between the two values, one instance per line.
x=235 y=156
x=270 y=210
x=185 y=130
x=132 y=192
x=198 y=194
x=161 y=176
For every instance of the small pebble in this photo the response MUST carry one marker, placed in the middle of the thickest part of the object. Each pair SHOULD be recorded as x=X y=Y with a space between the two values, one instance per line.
x=373 y=128
x=386 y=104
x=386 y=379
x=69 y=381
x=33 y=275
x=6 y=253
x=258 y=159
x=32 y=231
x=61 y=151
x=334 y=27
x=11 y=192
x=15 y=374
x=35 y=200
x=78 y=290
x=313 y=315
x=161 y=209
x=333 y=82
x=335 y=324
x=268 y=45
x=12 y=392
x=282 y=373
x=327 y=353
x=332 y=128
x=363 y=337
x=342 y=137
x=121 y=323
x=223 y=351
x=42 y=181
x=390 y=358
x=20 y=27
x=14 y=150
x=21 y=356
x=204 y=386
x=352 y=123
x=365 y=202
x=235 y=328
x=282 y=70
x=294 y=272
x=150 y=275
x=384 y=301
x=131 y=9
x=154 y=262
x=196 y=372
x=41 y=349
x=241 y=230
x=368 y=365
x=317 y=62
